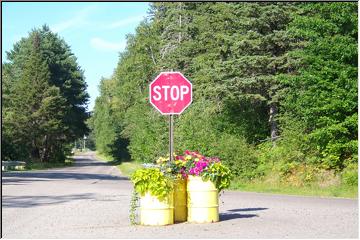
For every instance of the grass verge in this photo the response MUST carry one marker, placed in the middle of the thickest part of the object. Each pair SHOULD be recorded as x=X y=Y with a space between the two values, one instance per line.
x=47 y=165
x=343 y=191
x=126 y=168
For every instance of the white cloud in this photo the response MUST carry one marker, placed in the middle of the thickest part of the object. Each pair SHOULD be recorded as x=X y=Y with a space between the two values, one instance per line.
x=102 y=44
x=59 y=27
x=126 y=21
x=77 y=21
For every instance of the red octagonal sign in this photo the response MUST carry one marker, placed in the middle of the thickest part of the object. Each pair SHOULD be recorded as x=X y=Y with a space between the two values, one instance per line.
x=170 y=93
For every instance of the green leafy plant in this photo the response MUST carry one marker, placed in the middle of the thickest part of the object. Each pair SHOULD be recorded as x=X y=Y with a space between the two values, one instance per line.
x=219 y=174
x=350 y=175
x=152 y=180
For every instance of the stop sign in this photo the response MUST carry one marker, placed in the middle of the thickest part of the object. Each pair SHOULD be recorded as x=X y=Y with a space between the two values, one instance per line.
x=170 y=93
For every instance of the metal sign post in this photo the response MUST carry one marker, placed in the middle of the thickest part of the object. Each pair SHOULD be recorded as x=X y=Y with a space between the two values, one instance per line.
x=171 y=136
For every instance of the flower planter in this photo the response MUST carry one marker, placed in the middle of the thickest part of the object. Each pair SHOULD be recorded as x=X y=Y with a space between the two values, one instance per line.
x=155 y=212
x=180 y=209
x=202 y=201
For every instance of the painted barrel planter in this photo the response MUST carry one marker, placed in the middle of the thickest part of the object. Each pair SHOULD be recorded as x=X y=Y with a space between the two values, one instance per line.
x=180 y=208
x=155 y=212
x=202 y=201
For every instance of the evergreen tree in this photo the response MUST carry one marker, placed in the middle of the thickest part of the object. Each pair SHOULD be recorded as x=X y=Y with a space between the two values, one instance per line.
x=44 y=102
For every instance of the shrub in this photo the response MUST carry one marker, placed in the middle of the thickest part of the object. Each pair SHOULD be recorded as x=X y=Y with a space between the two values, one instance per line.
x=350 y=175
x=237 y=154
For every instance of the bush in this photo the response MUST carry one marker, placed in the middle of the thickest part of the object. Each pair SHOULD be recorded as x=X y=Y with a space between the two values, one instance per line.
x=147 y=132
x=350 y=175
x=237 y=154
x=196 y=129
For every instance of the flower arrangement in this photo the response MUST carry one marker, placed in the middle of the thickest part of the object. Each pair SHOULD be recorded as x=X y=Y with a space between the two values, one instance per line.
x=196 y=164
x=175 y=168
x=208 y=168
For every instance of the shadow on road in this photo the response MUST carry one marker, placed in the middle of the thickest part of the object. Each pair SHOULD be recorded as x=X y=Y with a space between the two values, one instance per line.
x=246 y=209
x=19 y=178
x=229 y=216
x=33 y=201
x=24 y=177
x=233 y=213
x=84 y=161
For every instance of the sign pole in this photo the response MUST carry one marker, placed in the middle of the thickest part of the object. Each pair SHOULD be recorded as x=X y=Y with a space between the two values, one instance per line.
x=171 y=136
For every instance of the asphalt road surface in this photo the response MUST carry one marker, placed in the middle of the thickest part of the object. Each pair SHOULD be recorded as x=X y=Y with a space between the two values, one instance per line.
x=91 y=200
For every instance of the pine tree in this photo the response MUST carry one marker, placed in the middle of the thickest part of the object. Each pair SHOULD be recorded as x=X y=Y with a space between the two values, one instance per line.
x=45 y=95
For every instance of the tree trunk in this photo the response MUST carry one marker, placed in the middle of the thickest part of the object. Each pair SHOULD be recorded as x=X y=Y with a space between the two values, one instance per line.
x=273 y=123
x=179 y=40
x=35 y=155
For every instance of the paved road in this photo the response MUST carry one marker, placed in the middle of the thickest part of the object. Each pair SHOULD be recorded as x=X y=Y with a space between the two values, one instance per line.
x=91 y=200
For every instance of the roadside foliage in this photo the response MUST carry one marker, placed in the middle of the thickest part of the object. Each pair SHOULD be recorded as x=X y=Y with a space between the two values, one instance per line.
x=275 y=88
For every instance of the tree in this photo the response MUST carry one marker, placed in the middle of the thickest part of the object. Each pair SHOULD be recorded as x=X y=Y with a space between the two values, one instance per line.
x=258 y=70
x=45 y=95
x=323 y=95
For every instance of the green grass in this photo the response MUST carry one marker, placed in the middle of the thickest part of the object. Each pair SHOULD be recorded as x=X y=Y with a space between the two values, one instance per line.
x=273 y=186
x=47 y=165
x=126 y=168
x=343 y=191
x=106 y=158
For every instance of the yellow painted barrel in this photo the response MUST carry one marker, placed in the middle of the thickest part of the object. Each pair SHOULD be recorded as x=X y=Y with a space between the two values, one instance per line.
x=180 y=209
x=202 y=201
x=154 y=212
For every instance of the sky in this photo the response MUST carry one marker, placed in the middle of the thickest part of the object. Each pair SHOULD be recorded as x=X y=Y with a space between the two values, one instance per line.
x=95 y=31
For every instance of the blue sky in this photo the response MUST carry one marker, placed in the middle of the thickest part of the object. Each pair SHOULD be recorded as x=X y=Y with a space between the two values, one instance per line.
x=95 y=31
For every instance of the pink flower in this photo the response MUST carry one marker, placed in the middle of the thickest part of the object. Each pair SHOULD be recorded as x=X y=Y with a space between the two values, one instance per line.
x=194 y=154
x=183 y=173
x=201 y=164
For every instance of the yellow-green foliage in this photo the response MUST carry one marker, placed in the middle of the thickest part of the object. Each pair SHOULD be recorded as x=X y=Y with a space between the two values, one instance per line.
x=127 y=168
x=350 y=175
x=152 y=180
x=219 y=174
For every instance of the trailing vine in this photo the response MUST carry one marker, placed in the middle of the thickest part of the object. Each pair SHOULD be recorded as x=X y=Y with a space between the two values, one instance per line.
x=134 y=203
